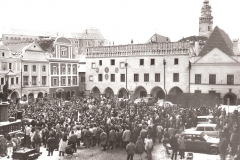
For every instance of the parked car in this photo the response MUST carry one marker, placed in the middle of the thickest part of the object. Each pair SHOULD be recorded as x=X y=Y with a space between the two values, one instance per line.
x=198 y=141
x=209 y=129
x=163 y=103
x=148 y=100
x=204 y=119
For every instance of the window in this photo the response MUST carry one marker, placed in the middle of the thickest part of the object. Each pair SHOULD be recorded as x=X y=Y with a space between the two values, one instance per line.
x=209 y=28
x=63 y=70
x=25 y=80
x=82 y=78
x=136 y=77
x=112 y=62
x=69 y=81
x=122 y=65
x=55 y=81
x=44 y=80
x=2 y=81
x=63 y=81
x=122 y=78
x=141 y=62
x=63 y=51
x=34 y=68
x=100 y=77
x=34 y=80
x=175 y=77
x=69 y=70
x=100 y=62
x=112 y=77
x=12 y=80
x=74 y=70
x=44 y=68
x=74 y=81
x=54 y=70
x=200 y=129
x=230 y=79
x=25 y=68
x=198 y=91
x=146 y=77
x=209 y=129
x=93 y=65
x=212 y=92
x=175 y=61
x=212 y=79
x=91 y=78
x=197 y=78
x=16 y=80
x=4 y=66
x=152 y=62
x=157 y=77
x=3 y=54
x=10 y=65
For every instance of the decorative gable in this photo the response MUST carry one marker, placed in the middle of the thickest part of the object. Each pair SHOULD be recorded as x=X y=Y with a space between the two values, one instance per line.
x=216 y=56
x=34 y=47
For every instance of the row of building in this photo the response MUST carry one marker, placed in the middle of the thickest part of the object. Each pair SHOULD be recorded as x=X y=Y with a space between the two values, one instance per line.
x=204 y=64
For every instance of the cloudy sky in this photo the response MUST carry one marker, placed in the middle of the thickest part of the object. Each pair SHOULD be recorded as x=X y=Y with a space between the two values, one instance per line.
x=120 y=20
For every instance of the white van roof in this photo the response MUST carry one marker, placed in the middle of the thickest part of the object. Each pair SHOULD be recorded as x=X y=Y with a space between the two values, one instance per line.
x=207 y=125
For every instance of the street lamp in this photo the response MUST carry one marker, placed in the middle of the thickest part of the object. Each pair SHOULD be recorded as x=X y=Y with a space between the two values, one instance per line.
x=164 y=70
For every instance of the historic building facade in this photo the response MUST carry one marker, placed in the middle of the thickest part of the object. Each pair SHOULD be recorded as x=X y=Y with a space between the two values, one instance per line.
x=137 y=70
x=63 y=80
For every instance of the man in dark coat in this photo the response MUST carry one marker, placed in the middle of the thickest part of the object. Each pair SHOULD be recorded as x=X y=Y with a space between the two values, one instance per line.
x=223 y=145
x=234 y=141
x=73 y=140
x=51 y=142
x=174 y=145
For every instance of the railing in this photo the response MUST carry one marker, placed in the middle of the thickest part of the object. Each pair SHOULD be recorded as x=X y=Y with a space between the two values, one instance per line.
x=139 y=49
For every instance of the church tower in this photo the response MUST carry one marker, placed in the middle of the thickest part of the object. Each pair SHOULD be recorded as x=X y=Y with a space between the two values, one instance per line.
x=206 y=20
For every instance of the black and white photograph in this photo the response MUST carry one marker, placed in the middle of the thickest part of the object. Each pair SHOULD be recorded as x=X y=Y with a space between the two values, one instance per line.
x=120 y=80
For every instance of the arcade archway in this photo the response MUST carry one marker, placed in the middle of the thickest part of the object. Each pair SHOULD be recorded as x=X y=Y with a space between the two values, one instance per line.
x=68 y=97
x=40 y=95
x=232 y=98
x=158 y=93
x=140 y=92
x=72 y=93
x=30 y=97
x=122 y=93
x=14 y=96
x=175 y=90
x=95 y=92
x=109 y=93
x=59 y=95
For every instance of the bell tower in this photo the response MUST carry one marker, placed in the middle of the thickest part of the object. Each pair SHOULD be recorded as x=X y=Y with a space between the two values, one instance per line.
x=206 y=20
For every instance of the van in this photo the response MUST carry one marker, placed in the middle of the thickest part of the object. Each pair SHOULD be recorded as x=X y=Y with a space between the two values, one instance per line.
x=209 y=129
x=204 y=119
x=149 y=100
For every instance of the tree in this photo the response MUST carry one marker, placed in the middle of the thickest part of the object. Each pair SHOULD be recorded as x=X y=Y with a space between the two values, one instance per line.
x=46 y=45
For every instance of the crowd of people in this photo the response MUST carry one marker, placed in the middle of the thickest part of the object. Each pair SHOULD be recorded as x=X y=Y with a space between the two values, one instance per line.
x=109 y=123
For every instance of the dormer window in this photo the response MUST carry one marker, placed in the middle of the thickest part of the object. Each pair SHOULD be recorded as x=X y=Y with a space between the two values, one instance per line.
x=64 y=51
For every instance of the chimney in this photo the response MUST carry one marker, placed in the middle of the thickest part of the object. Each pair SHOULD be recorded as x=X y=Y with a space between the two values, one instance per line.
x=236 y=47
x=197 y=48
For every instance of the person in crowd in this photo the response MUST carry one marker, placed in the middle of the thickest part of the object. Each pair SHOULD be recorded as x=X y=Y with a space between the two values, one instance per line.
x=140 y=146
x=9 y=146
x=223 y=145
x=174 y=145
x=51 y=143
x=149 y=147
x=27 y=138
x=3 y=146
x=79 y=136
x=103 y=140
x=166 y=140
x=131 y=148
x=63 y=145
x=37 y=140
x=59 y=135
x=111 y=137
x=72 y=140
x=234 y=141
x=126 y=136
x=181 y=144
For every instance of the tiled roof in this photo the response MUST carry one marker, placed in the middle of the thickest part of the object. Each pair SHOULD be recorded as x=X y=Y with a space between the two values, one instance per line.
x=218 y=39
x=17 y=47
x=156 y=38
x=194 y=38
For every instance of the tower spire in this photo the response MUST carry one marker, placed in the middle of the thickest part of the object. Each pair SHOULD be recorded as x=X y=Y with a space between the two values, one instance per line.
x=206 y=20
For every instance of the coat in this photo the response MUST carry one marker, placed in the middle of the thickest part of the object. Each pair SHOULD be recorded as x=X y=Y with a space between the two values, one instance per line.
x=62 y=145
x=103 y=138
x=181 y=143
x=140 y=146
x=112 y=135
x=51 y=142
x=126 y=135
x=131 y=147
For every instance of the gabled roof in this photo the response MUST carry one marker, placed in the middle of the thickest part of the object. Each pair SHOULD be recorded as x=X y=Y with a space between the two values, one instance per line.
x=156 y=38
x=193 y=38
x=218 y=39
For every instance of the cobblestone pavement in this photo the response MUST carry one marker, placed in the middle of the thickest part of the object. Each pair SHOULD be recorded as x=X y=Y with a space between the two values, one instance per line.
x=95 y=153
